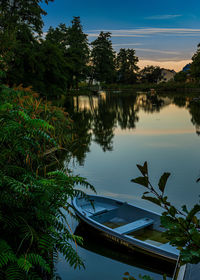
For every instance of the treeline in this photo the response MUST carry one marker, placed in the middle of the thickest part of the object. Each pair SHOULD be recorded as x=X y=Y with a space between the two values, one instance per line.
x=63 y=57
x=60 y=59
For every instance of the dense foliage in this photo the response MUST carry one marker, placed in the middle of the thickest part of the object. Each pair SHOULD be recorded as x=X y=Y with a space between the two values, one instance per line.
x=195 y=65
x=77 y=52
x=14 y=15
x=103 y=58
x=151 y=74
x=33 y=200
x=127 y=66
x=180 y=76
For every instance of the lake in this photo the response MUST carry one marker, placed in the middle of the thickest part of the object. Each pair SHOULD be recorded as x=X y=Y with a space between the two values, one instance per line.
x=115 y=132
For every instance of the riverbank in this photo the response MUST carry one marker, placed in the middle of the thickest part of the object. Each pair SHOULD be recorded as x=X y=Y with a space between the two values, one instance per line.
x=170 y=87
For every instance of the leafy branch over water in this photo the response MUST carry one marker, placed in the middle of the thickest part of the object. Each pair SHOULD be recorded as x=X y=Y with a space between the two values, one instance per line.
x=182 y=226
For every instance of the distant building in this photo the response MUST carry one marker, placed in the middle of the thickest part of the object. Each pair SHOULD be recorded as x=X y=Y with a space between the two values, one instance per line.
x=167 y=75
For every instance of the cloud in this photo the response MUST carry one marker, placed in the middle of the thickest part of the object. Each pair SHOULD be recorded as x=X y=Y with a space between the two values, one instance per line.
x=128 y=44
x=158 y=51
x=160 y=17
x=145 y=32
x=114 y=34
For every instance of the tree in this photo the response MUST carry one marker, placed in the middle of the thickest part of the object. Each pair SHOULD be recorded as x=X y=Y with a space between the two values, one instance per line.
x=58 y=36
x=126 y=65
x=77 y=52
x=180 y=76
x=102 y=57
x=51 y=74
x=151 y=74
x=195 y=65
x=40 y=63
x=21 y=68
x=14 y=14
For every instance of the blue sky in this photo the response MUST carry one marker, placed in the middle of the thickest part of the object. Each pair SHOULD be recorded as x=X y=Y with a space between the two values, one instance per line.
x=164 y=33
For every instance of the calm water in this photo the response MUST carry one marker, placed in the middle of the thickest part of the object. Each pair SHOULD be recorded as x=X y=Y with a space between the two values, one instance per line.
x=117 y=131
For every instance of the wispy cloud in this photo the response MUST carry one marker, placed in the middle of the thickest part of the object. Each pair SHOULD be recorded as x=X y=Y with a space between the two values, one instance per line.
x=126 y=45
x=157 y=51
x=160 y=17
x=115 y=34
x=145 y=32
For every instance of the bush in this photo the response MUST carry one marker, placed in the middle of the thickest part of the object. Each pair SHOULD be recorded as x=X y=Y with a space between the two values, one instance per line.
x=33 y=202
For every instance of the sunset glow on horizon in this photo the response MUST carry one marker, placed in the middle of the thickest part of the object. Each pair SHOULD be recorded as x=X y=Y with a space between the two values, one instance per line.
x=171 y=65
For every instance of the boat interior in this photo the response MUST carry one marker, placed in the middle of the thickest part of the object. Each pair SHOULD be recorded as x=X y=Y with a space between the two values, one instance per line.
x=127 y=220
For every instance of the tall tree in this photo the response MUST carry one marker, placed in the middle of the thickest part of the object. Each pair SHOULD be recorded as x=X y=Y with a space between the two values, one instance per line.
x=58 y=36
x=14 y=12
x=13 y=15
x=127 y=66
x=103 y=58
x=195 y=65
x=38 y=63
x=77 y=52
x=22 y=65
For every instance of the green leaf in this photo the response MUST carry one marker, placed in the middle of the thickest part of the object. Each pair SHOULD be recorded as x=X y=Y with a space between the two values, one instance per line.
x=172 y=211
x=152 y=199
x=184 y=208
x=143 y=169
x=193 y=212
x=163 y=181
x=167 y=222
x=143 y=181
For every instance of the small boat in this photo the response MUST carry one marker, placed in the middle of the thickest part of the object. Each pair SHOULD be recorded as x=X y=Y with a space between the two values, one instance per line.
x=130 y=226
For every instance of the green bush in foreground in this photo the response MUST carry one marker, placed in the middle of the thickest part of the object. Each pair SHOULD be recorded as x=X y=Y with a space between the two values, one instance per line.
x=33 y=202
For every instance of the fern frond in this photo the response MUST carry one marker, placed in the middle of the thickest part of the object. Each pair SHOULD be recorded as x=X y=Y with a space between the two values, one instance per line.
x=6 y=254
x=24 y=264
x=70 y=255
x=13 y=272
x=39 y=261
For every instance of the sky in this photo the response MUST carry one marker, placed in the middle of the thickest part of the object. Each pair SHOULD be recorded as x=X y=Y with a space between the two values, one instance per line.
x=163 y=33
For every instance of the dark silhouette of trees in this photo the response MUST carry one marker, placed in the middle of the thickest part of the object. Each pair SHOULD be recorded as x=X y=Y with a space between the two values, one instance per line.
x=103 y=58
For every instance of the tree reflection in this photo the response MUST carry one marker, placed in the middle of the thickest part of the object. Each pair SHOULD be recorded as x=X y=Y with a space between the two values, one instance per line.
x=149 y=103
x=96 y=117
x=194 y=110
x=82 y=133
x=180 y=101
x=104 y=121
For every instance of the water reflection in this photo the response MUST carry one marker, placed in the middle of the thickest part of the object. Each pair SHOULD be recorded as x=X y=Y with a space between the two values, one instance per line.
x=194 y=109
x=149 y=103
x=99 y=116
x=96 y=118
x=135 y=128
x=133 y=258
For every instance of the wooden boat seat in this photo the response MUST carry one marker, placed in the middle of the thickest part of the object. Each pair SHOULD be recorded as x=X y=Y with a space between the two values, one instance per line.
x=136 y=225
